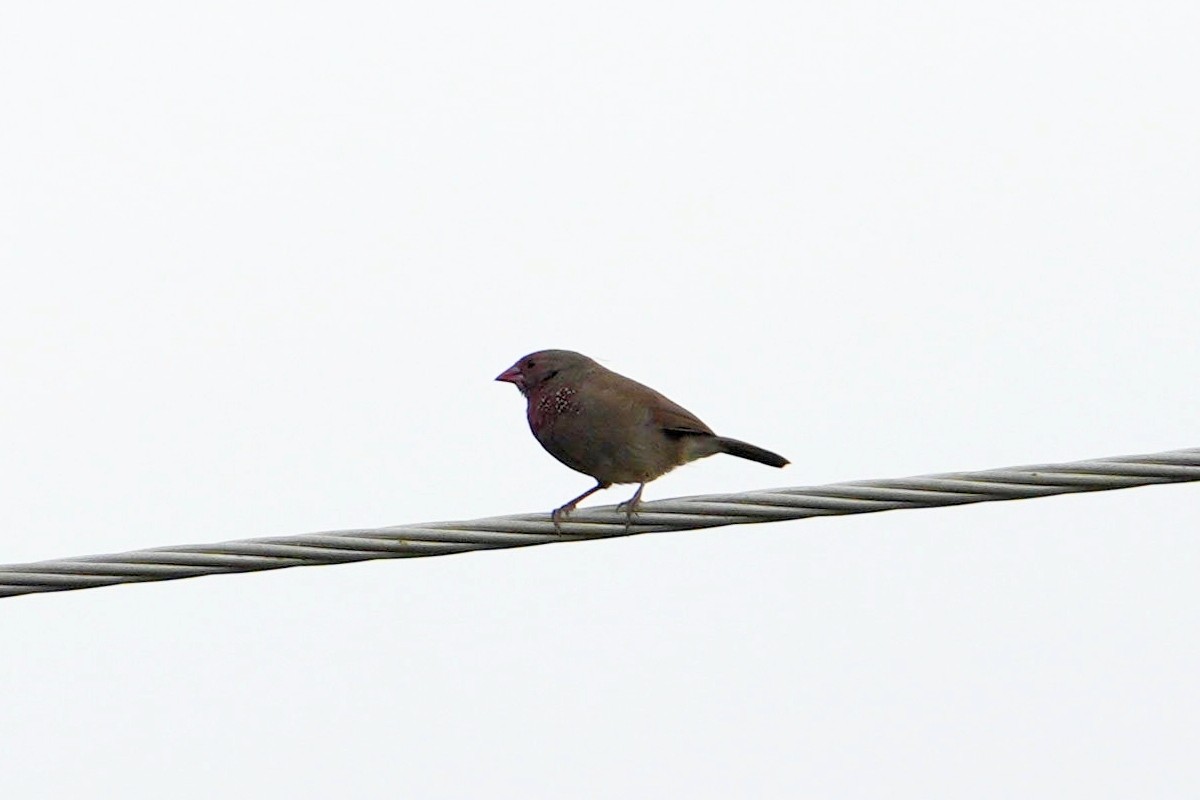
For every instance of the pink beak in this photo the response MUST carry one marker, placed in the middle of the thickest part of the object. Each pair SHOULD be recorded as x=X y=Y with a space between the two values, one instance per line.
x=511 y=375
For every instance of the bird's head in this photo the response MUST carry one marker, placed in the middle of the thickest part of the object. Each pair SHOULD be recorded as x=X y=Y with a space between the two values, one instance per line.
x=532 y=371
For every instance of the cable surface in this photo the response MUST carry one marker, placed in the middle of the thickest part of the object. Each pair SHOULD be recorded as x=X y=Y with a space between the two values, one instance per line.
x=684 y=513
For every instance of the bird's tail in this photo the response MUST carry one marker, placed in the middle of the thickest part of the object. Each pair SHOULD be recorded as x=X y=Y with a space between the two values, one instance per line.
x=742 y=449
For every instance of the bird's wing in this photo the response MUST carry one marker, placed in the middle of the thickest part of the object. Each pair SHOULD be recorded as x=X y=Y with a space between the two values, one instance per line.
x=625 y=398
x=675 y=419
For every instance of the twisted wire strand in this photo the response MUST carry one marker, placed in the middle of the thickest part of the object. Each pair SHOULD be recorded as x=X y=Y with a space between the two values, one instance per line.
x=684 y=513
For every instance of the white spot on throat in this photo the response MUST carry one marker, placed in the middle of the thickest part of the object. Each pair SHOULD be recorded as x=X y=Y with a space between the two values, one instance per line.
x=560 y=402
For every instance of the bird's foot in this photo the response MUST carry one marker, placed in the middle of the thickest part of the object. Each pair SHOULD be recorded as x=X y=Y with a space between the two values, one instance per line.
x=559 y=514
x=630 y=509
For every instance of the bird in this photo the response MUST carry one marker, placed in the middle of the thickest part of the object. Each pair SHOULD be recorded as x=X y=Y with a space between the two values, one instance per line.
x=613 y=428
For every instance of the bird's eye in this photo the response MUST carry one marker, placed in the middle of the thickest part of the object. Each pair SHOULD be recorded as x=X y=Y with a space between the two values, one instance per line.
x=529 y=364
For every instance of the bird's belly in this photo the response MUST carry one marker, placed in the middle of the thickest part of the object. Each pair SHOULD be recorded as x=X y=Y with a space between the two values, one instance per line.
x=610 y=454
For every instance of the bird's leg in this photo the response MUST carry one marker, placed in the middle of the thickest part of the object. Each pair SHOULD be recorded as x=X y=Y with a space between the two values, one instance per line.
x=560 y=513
x=630 y=506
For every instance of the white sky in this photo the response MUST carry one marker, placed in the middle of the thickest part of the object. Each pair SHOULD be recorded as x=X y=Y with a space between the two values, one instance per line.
x=261 y=262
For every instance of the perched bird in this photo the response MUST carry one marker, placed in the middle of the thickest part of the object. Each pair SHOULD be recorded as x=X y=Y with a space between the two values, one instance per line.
x=612 y=428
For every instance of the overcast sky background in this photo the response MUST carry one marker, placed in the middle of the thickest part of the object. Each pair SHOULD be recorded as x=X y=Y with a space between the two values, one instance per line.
x=261 y=262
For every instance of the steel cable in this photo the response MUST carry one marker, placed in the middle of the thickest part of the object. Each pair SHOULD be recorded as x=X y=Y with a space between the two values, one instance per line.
x=684 y=513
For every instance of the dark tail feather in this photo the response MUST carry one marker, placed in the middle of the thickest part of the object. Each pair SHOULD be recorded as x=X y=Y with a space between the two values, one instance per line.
x=744 y=450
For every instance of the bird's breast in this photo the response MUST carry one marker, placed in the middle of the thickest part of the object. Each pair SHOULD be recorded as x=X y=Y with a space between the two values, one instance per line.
x=546 y=407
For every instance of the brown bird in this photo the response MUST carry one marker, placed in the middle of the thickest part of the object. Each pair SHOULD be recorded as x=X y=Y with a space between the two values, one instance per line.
x=612 y=428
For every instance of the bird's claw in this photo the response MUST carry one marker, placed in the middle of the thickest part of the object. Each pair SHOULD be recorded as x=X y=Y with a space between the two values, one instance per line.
x=630 y=509
x=558 y=515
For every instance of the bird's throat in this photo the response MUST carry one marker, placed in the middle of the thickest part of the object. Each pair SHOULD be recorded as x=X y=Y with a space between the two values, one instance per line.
x=548 y=403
